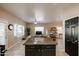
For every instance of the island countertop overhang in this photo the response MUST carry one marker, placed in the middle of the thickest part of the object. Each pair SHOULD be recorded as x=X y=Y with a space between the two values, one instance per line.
x=39 y=40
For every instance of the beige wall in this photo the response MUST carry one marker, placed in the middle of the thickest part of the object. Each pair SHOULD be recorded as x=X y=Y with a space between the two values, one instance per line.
x=5 y=16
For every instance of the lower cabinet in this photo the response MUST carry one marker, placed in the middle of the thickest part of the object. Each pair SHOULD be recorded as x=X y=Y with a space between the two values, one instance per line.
x=32 y=52
x=40 y=50
x=48 y=52
x=2 y=48
x=71 y=48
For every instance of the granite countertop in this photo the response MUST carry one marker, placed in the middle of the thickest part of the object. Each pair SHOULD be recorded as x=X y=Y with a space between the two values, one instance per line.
x=40 y=40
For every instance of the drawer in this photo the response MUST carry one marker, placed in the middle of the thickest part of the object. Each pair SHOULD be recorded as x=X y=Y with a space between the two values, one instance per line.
x=49 y=46
x=29 y=46
x=32 y=46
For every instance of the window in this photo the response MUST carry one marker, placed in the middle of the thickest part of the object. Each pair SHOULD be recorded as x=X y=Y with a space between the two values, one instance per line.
x=41 y=29
x=18 y=30
x=2 y=34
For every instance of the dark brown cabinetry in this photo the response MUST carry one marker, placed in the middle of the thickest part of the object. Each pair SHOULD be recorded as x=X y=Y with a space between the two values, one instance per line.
x=71 y=36
x=40 y=50
x=2 y=48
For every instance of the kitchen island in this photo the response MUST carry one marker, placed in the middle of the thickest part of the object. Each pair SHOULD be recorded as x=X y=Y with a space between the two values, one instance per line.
x=40 y=46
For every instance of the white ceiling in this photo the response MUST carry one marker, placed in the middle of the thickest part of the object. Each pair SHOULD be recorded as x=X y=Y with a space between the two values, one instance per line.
x=43 y=13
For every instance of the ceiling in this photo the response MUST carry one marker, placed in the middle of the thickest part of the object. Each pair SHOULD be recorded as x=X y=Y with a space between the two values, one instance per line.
x=42 y=12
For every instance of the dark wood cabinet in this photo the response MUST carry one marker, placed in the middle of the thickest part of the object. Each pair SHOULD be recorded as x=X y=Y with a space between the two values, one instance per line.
x=40 y=46
x=31 y=50
x=40 y=50
x=71 y=36
x=2 y=48
x=49 y=50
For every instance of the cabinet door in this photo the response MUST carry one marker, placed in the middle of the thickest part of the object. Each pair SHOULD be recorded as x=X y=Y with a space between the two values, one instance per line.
x=71 y=36
x=2 y=48
x=48 y=50
x=31 y=50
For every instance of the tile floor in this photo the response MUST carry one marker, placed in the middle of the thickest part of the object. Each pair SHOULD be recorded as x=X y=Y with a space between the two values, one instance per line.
x=19 y=49
x=60 y=48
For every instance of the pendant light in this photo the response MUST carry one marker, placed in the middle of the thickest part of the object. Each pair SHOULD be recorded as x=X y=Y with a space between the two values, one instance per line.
x=35 y=22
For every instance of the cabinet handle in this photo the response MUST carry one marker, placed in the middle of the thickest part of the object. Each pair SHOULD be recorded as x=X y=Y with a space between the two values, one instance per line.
x=73 y=42
x=48 y=47
x=32 y=47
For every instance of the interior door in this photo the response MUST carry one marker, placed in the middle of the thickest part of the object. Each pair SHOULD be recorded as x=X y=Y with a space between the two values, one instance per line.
x=3 y=33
